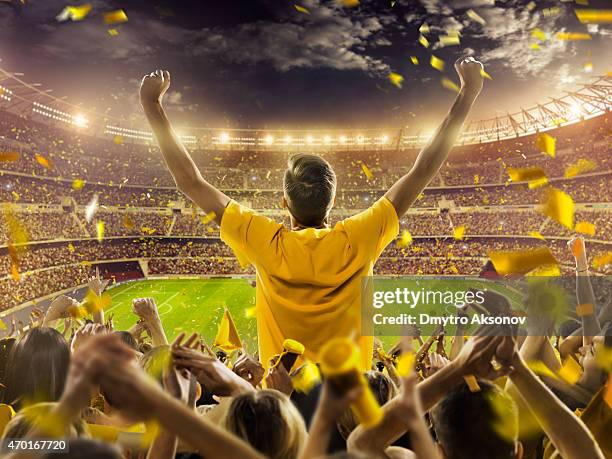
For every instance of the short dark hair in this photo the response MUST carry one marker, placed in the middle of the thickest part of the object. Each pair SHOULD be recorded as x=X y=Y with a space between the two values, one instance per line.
x=310 y=187
x=476 y=424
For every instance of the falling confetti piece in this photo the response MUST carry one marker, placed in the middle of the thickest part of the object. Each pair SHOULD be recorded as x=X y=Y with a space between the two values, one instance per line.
x=535 y=46
x=74 y=13
x=537 y=235
x=9 y=156
x=593 y=16
x=546 y=144
x=525 y=174
x=405 y=364
x=572 y=36
x=100 y=230
x=423 y=41
x=449 y=40
x=301 y=9
x=436 y=63
x=583 y=165
x=115 y=17
x=414 y=60
x=113 y=32
x=474 y=16
x=521 y=261
x=209 y=217
x=450 y=84
x=585 y=309
x=602 y=261
x=396 y=79
x=588 y=67
x=78 y=184
x=350 y=3
x=570 y=371
x=118 y=140
x=91 y=208
x=405 y=239
x=71 y=248
x=531 y=6
x=585 y=228
x=44 y=162
x=367 y=172
x=459 y=232
x=476 y=179
x=424 y=29
x=539 y=34
x=128 y=222
x=560 y=207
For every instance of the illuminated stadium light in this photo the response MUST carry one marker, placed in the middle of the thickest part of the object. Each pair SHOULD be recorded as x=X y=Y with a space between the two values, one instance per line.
x=119 y=132
x=52 y=113
x=288 y=139
x=80 y=121
x=342 y=139
x=224 y=138
x=5 y=93
x=384 y=139
x=327 y=140
x=360 y=139
x=269 y=140
x=309 y=140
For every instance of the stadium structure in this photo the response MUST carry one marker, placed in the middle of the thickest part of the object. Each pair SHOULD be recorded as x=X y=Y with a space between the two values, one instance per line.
x=59 y=159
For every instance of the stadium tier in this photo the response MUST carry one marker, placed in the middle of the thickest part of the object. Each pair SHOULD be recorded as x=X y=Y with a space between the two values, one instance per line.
x=149 y=229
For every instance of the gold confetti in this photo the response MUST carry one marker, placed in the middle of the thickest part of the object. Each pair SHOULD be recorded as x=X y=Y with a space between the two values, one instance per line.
x=521 y=261
x=436 y=63
x=78 y=184
x=100 y=230
x=118 y=140
x=367 y=172
x=585 y=309
x=560 y=207
x=423 y=41
x=115 y=17
x=537 y=183
x=449 y=40
x=71 y=248
x=209 y=217
x=585 y=228
x=414 y=60
x=485 y=74
x=602 y=260
x=44 y=162
x=474 y=16
x=113 y=33
x=396 y=79
x=539 y=34
x=9 y=156
x=450 y=84
x=128 y=222
x=459 y=232
x=535 y=46
x=570 y=371
x=572 y=36
x=405 y=239
x=301 y=9
x=546 y=144
x=593 y=16
x=424 y=29
x=525 y=174
x=583 y=165
x=74 y=13
x=537 y=235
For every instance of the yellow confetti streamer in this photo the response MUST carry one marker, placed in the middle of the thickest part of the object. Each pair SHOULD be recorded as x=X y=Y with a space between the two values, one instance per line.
x=572 y=36
x=423 y=41
x=521 y=261
x=585 y=228
x=78 y=184
x=459 y=232
x=44 y=162
x=525 y=174
x=593 y=16
x=537 y=235
x=546 y=144
x=115 y=17
x=113 y=32
x=301 y=9
x=436 y=63
x=396 y=79
x=560 y=207
x=100 y=230
x=450 y=84
x=474 y=16
x=414 y=60
x=367 y=172
x=405 y=239
x=582 y=166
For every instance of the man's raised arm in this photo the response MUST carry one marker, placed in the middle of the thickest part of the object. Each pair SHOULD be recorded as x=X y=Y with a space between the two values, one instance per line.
x=405 y=191
x=186 y=174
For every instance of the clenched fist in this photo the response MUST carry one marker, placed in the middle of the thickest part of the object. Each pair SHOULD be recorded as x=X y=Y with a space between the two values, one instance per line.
x=470 y=73
x=154 y=86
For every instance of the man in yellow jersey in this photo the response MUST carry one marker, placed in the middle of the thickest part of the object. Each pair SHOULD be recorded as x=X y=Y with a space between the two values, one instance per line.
x=309 y=277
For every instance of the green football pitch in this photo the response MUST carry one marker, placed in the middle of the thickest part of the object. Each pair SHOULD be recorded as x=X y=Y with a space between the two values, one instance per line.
x=197 y=305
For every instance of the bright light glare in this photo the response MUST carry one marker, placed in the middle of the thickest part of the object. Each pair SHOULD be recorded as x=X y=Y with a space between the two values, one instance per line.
x=342 y=139
x=327 y=140
x=288 y=140
x=224 y=137
x=269 y=140
x=79 y=120
x=309 y=140
x=575 y=110
x=384 y=138
x=360 y=139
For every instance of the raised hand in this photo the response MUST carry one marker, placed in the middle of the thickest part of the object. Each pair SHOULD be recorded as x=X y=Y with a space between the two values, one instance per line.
x=85 y=333
x=60 y=308
x=145 y=308
x=470 y=73
x=249 y=369
x=97 y=284
x=154 y=86
x=278 y=378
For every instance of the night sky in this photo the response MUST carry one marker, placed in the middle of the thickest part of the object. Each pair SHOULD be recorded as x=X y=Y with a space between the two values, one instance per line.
x=263 y=63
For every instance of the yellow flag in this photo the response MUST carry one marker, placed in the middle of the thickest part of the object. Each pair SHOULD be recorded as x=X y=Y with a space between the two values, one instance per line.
x=227 y=336
x=560 y=207
x=458 y=232
x=521 y=261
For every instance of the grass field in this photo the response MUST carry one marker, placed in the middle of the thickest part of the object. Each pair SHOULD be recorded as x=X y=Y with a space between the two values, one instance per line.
x=198 y=305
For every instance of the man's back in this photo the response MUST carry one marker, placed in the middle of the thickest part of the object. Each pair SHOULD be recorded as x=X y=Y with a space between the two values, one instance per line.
x=309 y=281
